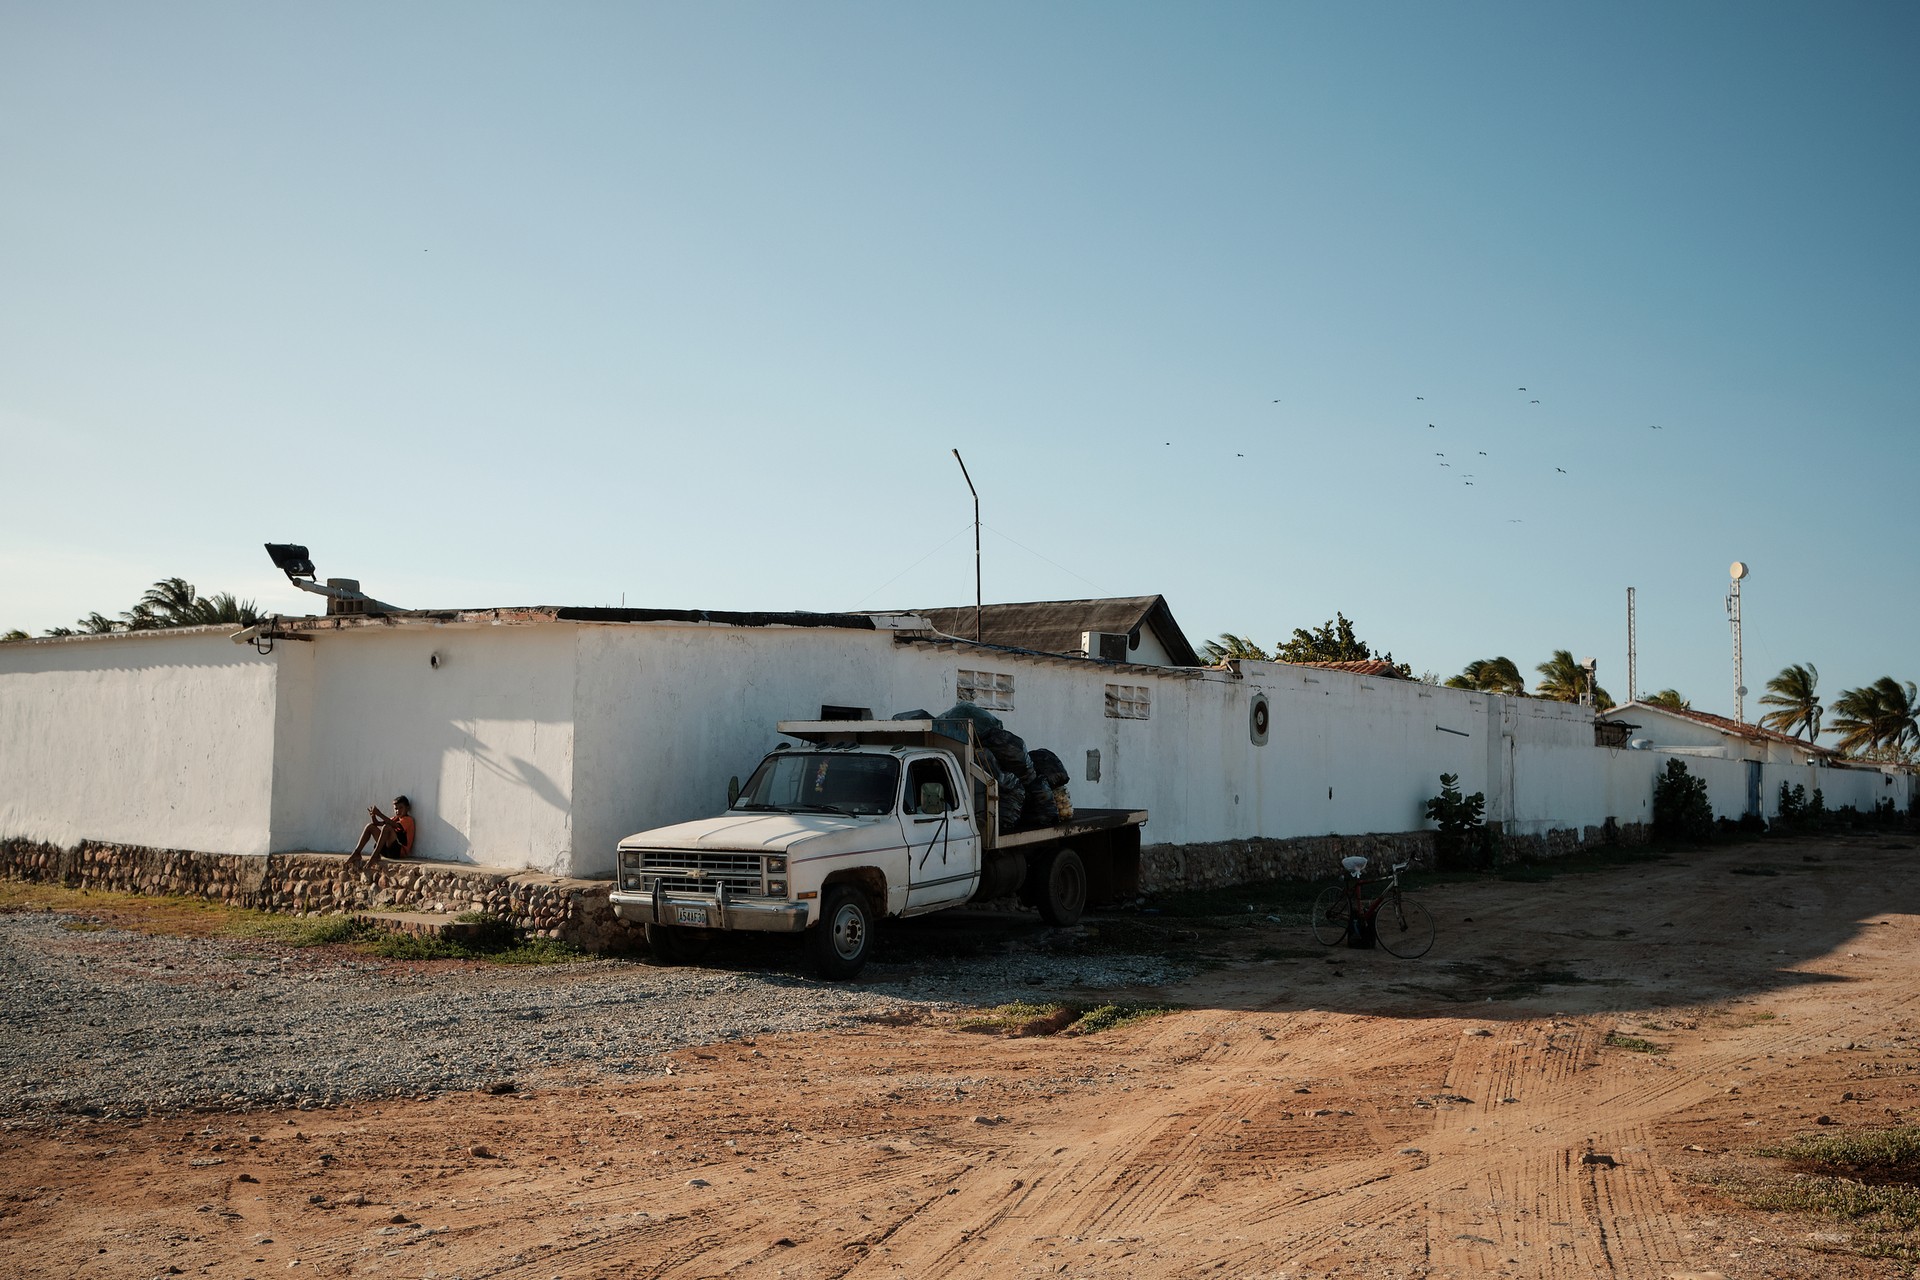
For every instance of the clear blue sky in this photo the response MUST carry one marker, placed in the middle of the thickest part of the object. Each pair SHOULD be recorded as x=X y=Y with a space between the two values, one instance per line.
x=686 y=304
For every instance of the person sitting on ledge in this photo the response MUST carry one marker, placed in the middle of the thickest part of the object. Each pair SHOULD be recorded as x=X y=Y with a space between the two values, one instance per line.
x=392 y=837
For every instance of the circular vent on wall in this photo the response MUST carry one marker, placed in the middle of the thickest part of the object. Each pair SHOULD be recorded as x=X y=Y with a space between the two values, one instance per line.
x=1259 y=717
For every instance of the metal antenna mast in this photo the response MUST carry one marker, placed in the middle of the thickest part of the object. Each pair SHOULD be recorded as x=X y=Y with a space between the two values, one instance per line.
x=1738 y=571
x=976 y=545
x=1633 y=653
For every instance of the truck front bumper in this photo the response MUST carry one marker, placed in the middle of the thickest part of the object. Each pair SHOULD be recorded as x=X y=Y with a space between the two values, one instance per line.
x=698 y=911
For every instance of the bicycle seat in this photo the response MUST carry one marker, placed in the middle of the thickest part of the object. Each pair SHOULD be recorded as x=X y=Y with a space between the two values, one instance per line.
x=1401 y=866
x=1354 y=865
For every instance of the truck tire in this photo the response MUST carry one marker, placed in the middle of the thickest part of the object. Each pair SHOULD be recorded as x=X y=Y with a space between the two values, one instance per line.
x=844 y=935
x=1063 y=888
x=671 y=944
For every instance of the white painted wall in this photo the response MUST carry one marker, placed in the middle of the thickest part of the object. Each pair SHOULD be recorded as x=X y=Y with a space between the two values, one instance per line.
x=159 y=739
x=541 y=746
x=482 y=744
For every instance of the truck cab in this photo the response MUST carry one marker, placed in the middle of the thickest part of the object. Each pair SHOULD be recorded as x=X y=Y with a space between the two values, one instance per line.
x=863 y=820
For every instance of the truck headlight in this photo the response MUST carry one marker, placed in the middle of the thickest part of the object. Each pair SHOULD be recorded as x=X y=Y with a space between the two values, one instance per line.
x=776 y=866
x=777 y=887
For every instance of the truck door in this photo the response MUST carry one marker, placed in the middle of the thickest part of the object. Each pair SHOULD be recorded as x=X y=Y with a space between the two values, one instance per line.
x=943 y=845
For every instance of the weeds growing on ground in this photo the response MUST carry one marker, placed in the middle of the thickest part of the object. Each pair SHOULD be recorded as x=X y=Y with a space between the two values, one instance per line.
x=1875 y=1198
x=1878 y=1154
x=1633 y=1044
x=496 y=940
x=1025 y=1018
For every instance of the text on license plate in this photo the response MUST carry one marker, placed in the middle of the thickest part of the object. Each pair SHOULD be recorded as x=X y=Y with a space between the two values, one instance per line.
x=690 y=915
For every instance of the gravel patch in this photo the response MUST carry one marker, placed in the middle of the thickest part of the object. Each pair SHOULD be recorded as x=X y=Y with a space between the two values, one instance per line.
x=110 y=1023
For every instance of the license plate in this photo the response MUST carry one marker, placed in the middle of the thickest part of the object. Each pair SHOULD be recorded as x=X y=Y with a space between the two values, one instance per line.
x=690 y=915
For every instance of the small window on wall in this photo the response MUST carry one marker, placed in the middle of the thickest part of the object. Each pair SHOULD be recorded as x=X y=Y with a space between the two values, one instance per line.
x=1128 y=702
x=991 y=690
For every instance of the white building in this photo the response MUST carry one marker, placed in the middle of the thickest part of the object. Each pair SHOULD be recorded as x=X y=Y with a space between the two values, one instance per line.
x=536 y=738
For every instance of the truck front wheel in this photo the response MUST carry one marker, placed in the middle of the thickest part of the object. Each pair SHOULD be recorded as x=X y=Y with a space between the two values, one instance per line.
x=1063 y=888
x=845 y=933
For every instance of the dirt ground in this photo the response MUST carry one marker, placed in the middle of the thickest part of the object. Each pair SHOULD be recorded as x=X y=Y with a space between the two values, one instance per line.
x=1310 y=1114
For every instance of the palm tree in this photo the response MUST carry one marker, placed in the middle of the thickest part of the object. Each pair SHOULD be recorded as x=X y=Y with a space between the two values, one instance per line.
x=1792 y=691
x=96 y=624
x=1878 y=720
x=222 y=610
x=1671 y=698
x=1491 y=675
x=1230 y=646
x=1564 y=680
x=167 y=603
x=15 y=634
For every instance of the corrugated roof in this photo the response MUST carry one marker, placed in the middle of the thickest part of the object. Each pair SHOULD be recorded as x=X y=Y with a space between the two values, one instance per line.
x=1733 y=728
x=1056 y=626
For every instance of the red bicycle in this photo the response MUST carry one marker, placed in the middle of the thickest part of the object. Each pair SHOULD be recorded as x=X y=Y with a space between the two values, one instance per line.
x=1344 y=913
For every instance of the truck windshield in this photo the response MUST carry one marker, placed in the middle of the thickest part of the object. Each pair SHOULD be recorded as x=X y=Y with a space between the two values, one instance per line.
x=822 y=782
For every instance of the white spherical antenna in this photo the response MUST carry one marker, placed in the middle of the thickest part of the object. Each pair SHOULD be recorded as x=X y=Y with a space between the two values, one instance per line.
x=1739 y=570
x=1742 y=691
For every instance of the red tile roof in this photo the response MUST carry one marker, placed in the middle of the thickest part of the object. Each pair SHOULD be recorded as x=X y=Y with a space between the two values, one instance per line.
x=1359 y=667
x=1729 y=726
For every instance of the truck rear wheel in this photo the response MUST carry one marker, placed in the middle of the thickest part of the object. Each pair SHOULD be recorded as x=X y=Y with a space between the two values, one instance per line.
x=844 y=934
x=1063 y=888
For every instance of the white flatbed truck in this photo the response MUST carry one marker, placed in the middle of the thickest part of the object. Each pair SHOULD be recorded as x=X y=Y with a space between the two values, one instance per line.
x=866 y=820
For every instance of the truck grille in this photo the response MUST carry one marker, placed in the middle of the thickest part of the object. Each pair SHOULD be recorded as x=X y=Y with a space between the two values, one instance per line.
x=679 y=871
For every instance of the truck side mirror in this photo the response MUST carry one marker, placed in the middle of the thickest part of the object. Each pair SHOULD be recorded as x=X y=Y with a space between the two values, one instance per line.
x=733 y=790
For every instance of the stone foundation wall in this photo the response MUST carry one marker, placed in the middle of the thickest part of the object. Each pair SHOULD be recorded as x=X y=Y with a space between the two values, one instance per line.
x=1169 y=868
x=575 y=911
x=1166 y=868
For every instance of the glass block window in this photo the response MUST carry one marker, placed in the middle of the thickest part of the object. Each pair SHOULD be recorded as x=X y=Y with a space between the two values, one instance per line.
x=1129 y=702
x=992 y=690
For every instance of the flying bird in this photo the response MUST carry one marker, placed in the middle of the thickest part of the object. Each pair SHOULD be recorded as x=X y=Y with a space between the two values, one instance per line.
x=1533 y=402
x=1561 y=470
x=1446 y=464
x=1429 y=426
x=1419 y=397
x=1523 y=388
x=1439 y=455
x=1655 y=427
x=1483 y=453
x=1516 y=522
x=1469 y=484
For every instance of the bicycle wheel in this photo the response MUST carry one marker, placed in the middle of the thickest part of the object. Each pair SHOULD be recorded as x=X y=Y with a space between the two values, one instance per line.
x=1331 y=912
x=1404 y=927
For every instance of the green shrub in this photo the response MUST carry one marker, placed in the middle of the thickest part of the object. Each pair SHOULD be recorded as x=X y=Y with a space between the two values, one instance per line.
x=1681 y=810
x=1460 y=844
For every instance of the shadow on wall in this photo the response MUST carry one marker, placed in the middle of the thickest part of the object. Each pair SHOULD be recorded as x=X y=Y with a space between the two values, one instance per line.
x=514 y=790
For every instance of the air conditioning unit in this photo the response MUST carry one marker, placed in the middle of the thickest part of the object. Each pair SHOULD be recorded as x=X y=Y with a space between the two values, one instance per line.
x=1108 y=646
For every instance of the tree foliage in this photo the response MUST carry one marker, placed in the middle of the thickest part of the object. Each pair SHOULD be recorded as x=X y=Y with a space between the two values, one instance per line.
x=1797 y=705
x=1230 y=646
x=1563 y=680
x=1333 y=642
x=1671 y=698
x=1491 y=675
x=1877 y=721
x=1681 y=810
x=170 y=602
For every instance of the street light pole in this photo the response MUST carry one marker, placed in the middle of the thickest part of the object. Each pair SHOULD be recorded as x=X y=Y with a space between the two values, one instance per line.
x=977 y=630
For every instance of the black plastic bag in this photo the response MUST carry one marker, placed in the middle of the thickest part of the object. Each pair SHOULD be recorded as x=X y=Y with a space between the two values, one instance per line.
x=1011 y=751
x=1047 y=767
x=1013 y=797
x=1039 y=809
